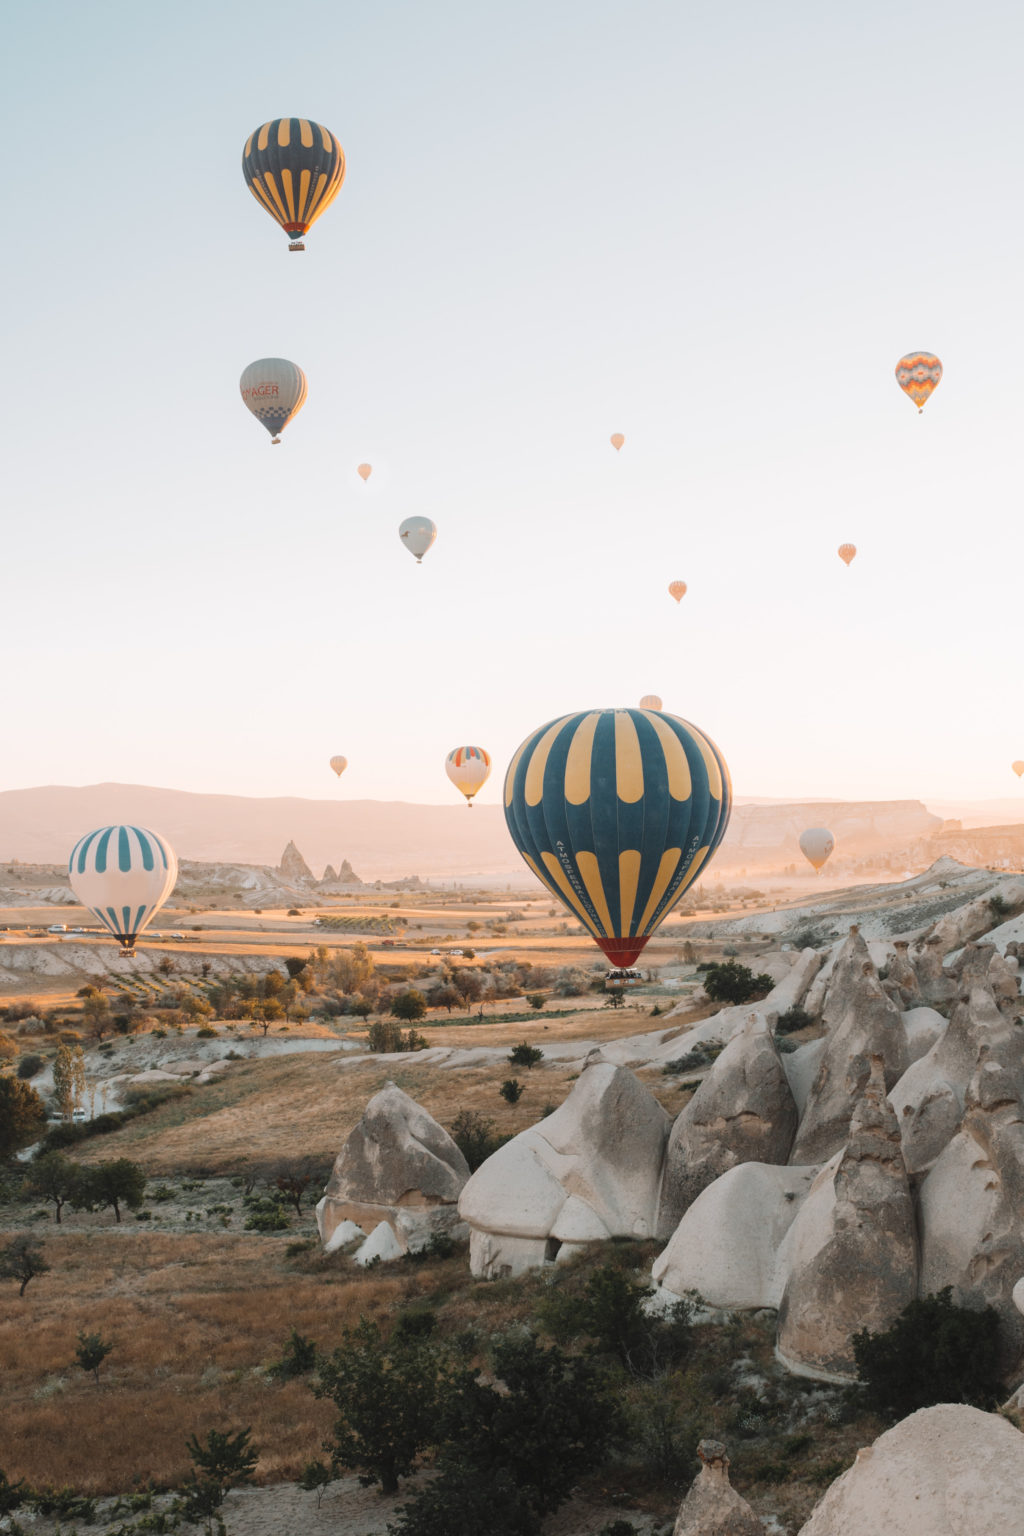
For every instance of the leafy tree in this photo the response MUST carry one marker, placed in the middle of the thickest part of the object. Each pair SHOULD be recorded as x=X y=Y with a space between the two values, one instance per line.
x=731 y=982
x=444 y=995
x=54 y=1177
x=165 y=965
x=610 y=1310
x=298 y=1358
x=935 y=1352
x=615 y=998
x=475 y=1137
x=410 y=1006
x=524 y=1055
x=468 y=984
x=22 y=1259
x=224 y=1461
x=389 y=1396
x=30 y=1066
x=22 y=1115
x=293 y=1186
x=294 y=965
x=521 y=1443
x=511 y=1090
x=111 y=1185
x=353 y=969
x=96 y=1015
x=68 y=1078
x=264 y=1011
x=92 y=1350
x=316 y=1478
x=535 y=1000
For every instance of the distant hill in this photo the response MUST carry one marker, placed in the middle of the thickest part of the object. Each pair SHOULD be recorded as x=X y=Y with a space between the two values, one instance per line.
x=385 y=840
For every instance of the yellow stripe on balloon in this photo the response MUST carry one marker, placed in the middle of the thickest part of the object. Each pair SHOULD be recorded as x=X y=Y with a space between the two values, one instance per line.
x=271 y=186
x=328 y=138
x=304 y=180
x=629 y=879
x=261 y=193
x=590 y=871
x=666 y=869
x=510 y=776
x=695 y=864
x=680 y=783
x=264 y=138
x=578 y=761
x=284 y=132
x=318 y=192
x=305 y=134
x=710 y=760
x=534 y=787
x=629 y=763
x=558 y=874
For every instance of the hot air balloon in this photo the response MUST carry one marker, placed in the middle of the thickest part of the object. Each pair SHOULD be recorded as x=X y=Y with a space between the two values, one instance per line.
x=274 y=390
x=847 y=552
x=1018 y=767
x=364 y=471
x=918 y=376
x=417 y=534
x=339 y=764
x=650 y=701
x=617 y=812
x=816 y=845
x=123 y=875
x=678 y=590
x=617 y=440
x=295 y=168
x=469 y=768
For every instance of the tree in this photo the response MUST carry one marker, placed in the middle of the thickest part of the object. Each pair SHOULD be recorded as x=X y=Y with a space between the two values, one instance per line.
x=22 y=1259
x=389 y=1395
x=22 y=1115
x=935 y=1352
x=294 y=965
x=264 y=1011
x=96 y=1015
x=475 y=1137
x=354 y=970
x=111 y=1185
x=92 y=1350
x=68 y=1078
x=535 y=1000
x=511 y=1090
x=444 y=995
x=220 y=1464
x=55 y=1178
x=316 y=1478
x=410 y=1006
x=731 y=982
x=524 y=1055
x=293 y=1186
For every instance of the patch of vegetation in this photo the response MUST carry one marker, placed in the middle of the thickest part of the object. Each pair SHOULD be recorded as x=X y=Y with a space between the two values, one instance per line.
x=475 y=1137
x=702 y=1055
x=793 y=1019
x=730 y=982
x=935 y=1352
x=524 y=1055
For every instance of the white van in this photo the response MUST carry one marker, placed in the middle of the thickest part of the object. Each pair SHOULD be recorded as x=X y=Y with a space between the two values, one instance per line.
x=57 y=928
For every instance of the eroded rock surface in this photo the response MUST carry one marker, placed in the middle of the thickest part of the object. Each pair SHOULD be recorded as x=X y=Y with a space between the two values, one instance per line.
x=713 y=1507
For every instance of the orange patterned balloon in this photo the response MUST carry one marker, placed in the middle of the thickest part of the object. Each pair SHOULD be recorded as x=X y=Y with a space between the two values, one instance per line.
x=918 y=375
x=847 y=552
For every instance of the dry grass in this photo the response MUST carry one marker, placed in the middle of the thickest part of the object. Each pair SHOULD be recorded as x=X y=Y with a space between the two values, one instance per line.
x=195 y=1322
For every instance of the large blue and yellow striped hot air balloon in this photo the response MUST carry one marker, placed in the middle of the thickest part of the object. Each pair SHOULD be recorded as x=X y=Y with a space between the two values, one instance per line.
x=123 y=875
x=295 y=168
x=617 y=812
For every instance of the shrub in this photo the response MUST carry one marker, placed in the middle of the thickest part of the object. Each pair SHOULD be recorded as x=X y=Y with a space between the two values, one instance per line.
x=610 y=1310
x=535 y=1000
x=30 y=1066
x=793 y=1019
x=206 y=1033
x=511 y=1090
x=22 y=1115
x=475 y=1137
x=298 y=1358
x=92 y=1350
x=702 y=1055
x=410 y=1005
x=731 y=982
x=935 y=1352
x=266 y=1215
x=524 y=1055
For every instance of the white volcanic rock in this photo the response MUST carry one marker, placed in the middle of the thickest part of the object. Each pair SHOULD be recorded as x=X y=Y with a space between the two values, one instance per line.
x=801 y=1068
x=867 y=1024
x=852 y=962
x=922 y=1028
x=602 y=1149
x=865 y=1271
x=344 y=1233
x=728 y=1244
x=901 y=982
x=743 y=1112
x=935 y=986
x=397 y=1165
x=382 y=1245
x=294 y=869
x=977 y=917
x=944 y=1471
x=713 y=1507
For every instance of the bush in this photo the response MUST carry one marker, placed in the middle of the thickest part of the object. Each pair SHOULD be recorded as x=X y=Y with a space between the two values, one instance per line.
x=266 y=1215
x=702 y=1055
x=535 y=1000
x=610 y=1310
x=206 y=1033
x=731 y=982
x=475 y=1137
x=298 y=1358
x=935 y=1352
x=524 y=1055
x=793 y=1019
x=29 y=1066
x=511 y=1090
x=410 y=1006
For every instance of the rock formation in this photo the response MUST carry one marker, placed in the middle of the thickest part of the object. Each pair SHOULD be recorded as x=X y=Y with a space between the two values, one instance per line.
x=329 y=875
x=398 y=1166
x=935 y=986
x=863 y=1022
x=944 y=1471
x=976 y=917
x=294 y=868
x=589 y=1171
x=851 y=963
x=901 y=982
x=861 y=1270
x=929 y=1097
x=743 y=1112
x=713 y=1507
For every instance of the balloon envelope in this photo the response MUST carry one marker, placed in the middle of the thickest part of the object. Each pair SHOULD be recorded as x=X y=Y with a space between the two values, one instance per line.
x=294 y=168
x=847 y=552
x=678 y=590
x=816 y=845
x=417 y=534
x=339 y=764
x=1018 y=767
x=918 y=376
x=275 y=391
x=617 y=440
x=650 y=701
x=123 y=874
x=364 y=471
x=469 y=768
x=617 y=812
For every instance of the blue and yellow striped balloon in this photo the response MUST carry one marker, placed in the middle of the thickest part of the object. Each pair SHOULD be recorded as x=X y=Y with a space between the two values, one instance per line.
x=294 y=168
x=617 y=812
x=124 y=875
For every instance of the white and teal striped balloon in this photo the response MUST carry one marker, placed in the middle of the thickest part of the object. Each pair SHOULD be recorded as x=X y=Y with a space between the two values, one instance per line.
x=123 y=875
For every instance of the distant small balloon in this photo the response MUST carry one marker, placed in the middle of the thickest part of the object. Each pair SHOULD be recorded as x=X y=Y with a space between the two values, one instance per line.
x=847 y=552
x=1018 y=767
x=650 y=701
x=339 y=764
x=918 y=376
x=678 y=590
x=365 y=471
x=816 y=845
x=417 y=534
x=274 y=390
x=469 y=769
x=617 y=440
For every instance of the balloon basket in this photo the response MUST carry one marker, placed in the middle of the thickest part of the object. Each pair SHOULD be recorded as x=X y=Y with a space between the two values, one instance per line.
x=296 y=245
x=126 y=954
x=275 y=442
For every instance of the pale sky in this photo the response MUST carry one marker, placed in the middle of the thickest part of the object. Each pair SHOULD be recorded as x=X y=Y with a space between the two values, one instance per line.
x=713 y=227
